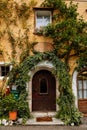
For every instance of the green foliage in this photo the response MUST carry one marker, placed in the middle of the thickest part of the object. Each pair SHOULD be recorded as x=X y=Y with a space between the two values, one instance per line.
x=68 y=31
x=22 y=107
x=9 y=103
x=23 y=10
x=64 y=11
x=1 y=110
x=67 y=110
x=69 y=35
x=13 y=14
x=18 y=76
x=82 y=61
x=66 y=99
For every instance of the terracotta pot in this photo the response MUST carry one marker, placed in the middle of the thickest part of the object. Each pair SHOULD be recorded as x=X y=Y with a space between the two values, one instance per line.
x=12 y=115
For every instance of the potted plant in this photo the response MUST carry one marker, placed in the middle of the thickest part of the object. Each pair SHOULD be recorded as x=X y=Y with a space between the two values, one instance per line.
x=10 y=106
x=12 y=115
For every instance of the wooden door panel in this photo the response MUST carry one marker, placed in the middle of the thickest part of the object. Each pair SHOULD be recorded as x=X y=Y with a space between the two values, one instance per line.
x=82 y=104
x=43 y=101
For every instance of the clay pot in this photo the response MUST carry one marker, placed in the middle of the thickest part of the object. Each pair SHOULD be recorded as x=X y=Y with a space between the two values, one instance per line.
x=12 y=115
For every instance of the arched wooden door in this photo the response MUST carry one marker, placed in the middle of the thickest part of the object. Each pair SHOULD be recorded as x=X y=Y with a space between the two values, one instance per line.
x=43 y=91
x=82 y=91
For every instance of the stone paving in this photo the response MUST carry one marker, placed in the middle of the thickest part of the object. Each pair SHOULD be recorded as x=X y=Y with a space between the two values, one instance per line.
x=44 y=127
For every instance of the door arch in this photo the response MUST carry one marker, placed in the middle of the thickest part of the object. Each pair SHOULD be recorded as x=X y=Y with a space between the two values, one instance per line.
x=43 y=91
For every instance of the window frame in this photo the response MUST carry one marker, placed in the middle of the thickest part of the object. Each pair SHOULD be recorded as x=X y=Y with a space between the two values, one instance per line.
x=35 y=16
x=40 y=87
x=82 y=84
x=4 y=64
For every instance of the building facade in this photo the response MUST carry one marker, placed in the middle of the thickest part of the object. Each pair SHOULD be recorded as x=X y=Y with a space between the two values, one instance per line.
x=19 y=31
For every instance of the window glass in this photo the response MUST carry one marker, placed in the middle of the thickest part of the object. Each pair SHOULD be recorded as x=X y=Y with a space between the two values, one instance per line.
x=85 y=84
x=80 y=94
x=4 y=70
x=85 y=93
x=79 y=84
x=82 y=85
x=43 y=86
x=43 y=18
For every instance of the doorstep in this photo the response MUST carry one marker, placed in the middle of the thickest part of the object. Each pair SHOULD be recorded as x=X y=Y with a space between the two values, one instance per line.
x=35 y=115
x=33 y=121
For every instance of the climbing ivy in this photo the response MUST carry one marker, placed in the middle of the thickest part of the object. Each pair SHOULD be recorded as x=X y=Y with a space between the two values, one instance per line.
x=68 y=30
x=82 y=61
x=15 y=16
x=19 y=76
x=69 y=35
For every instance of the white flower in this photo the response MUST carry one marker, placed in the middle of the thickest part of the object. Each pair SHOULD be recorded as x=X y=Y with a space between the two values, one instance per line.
x=4 y=121
x=10 y=123
x=6 y=124
x=72 y=124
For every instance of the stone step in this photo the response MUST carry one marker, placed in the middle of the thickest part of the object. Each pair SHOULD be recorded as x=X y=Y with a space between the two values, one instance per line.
x=54 y=121
x=84 y=120
x=41 y=114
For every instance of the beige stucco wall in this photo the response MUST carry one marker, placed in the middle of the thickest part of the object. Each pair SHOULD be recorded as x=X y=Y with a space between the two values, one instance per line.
x=82 y=7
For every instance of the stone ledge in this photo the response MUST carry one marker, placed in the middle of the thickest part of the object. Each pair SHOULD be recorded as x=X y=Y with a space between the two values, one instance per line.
x=54 y=121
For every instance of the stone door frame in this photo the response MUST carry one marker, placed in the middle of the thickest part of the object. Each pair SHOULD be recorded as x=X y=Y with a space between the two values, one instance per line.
x=42 y=65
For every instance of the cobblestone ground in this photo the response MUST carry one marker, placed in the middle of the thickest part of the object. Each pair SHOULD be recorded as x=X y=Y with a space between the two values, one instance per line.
x=43 y=127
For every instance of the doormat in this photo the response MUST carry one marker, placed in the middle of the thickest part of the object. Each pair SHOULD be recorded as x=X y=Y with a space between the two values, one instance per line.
x=46 y=118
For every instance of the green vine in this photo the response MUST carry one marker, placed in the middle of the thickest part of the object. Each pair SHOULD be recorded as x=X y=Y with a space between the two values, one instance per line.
x=11 y=15
x=82 y=62
x=68 y=30
x=19 y=76
x=25 y=9
x=69 y=40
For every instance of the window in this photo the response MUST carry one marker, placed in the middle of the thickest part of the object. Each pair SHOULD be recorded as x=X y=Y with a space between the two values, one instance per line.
x=82 y=85
x=43 y=86
x=43 y=18
x=4 y=70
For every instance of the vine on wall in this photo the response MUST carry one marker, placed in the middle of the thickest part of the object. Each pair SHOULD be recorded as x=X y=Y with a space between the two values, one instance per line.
x=14 y=19
x=69 y=39
x=68 y=30
x=19 y=76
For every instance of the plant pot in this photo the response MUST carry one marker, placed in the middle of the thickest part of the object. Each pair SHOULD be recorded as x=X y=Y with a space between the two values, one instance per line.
x=12 y=115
